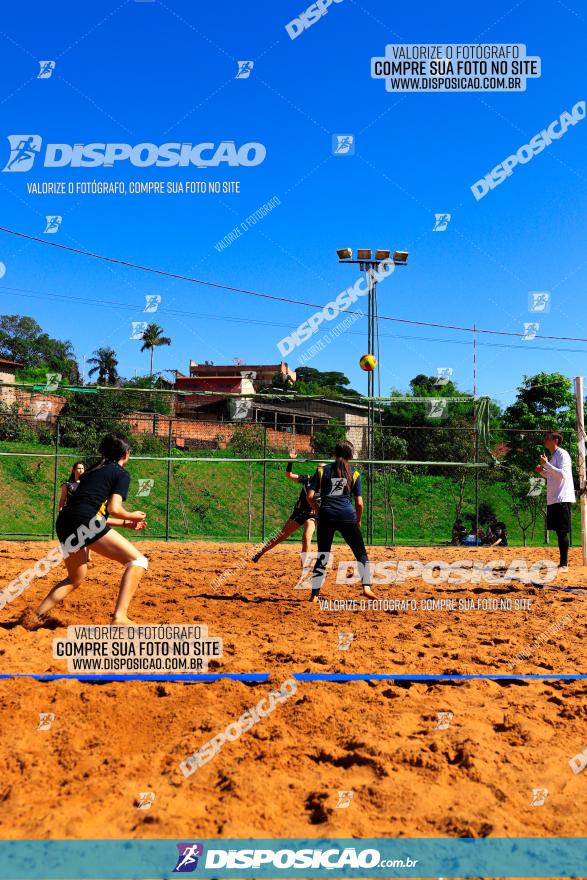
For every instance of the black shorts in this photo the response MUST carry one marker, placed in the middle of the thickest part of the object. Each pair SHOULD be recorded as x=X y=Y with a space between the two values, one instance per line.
x=69 y=521
x=558 y=516
x=302 y=516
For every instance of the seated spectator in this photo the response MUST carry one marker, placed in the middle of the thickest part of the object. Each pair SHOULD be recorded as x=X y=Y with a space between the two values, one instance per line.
x=500 y=536
x=458 y=533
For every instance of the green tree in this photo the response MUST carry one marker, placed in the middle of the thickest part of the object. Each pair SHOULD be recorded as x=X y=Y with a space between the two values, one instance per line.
x=23 y=340
x=326 y=438
x=152 y=338
x=543 y=402
x=105 y=362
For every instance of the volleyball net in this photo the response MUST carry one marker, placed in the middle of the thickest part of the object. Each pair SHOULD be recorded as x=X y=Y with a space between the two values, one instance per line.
x=424 y=464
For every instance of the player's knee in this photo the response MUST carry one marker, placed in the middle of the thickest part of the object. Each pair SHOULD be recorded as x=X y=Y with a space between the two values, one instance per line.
x=141 y=562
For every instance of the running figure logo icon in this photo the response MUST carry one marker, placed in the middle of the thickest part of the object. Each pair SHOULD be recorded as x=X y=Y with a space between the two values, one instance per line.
x=531 y=328
x=46 y=69
x=539 y=795
x=343 y=145
x=187 y=861
x=444 y=720
x=244 y=69
x=54 y=221
x=145 y=487
x=46 y=719
x=23 y=151
x=153 y=301
x=138 y=328
x=441 y=222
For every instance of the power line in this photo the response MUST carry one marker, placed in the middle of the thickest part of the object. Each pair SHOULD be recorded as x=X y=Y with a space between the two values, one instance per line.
x=272 y=297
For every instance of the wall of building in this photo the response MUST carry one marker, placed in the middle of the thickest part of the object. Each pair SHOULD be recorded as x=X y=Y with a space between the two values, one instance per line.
x=211 y=434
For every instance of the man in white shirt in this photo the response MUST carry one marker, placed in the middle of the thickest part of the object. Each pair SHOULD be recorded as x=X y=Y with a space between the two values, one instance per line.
x=560 y=492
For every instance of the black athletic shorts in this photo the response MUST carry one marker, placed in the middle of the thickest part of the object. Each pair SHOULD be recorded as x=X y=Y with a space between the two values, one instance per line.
x=69 y=521
x=302 y=516
x=558 y=516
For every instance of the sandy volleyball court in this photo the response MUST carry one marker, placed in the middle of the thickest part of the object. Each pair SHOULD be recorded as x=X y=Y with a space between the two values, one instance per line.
x=391 y=758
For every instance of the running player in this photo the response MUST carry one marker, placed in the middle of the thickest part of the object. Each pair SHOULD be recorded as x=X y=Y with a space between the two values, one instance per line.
x=303 y=515
x=337 y=484
x=69 y=487
x=86 y=519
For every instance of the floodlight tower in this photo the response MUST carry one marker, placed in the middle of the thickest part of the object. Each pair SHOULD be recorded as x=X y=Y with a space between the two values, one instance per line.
x=372 y=266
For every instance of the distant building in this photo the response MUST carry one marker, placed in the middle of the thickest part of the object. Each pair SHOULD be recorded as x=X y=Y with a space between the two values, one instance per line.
x=8 y=377
x=222 y=397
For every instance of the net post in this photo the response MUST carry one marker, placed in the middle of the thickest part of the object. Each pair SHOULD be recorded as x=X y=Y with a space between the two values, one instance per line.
x=55 y=477
x=581 y=437
x=168 y=491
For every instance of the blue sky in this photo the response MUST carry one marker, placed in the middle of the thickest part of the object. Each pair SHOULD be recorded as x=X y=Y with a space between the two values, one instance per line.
x=155 y=72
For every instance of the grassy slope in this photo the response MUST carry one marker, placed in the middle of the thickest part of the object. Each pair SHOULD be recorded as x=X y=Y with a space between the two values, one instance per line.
x=210 y=500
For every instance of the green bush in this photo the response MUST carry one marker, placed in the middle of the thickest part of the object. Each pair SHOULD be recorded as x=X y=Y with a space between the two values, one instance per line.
x=247 y=440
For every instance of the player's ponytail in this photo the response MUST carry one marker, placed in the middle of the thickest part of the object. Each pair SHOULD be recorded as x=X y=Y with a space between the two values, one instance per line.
x=343 y=453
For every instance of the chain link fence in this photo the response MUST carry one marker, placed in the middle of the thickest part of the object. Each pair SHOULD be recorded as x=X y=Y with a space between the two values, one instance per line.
x=209 y=480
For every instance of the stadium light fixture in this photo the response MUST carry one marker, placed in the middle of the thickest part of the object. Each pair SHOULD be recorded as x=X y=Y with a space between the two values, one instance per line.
x=344 y=253
x=400 y=258
x=363 y=253
x=382 y=255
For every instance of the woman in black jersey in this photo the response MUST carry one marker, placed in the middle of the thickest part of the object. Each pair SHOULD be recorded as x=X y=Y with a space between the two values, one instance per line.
x=69 y=487
x=96 y=505
x=338 y=485
x=302 y=515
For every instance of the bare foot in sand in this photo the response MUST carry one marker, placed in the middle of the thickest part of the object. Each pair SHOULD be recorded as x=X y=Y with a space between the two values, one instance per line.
x=123 y=621
x=31 y=620
x=367 y=591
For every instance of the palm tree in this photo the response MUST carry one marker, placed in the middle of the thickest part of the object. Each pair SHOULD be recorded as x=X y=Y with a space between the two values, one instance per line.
x=105 y=366
x=152 y=337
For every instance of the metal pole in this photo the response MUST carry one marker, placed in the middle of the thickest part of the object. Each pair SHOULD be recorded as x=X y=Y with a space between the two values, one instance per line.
x=581 y=437
x=264 y=482
x=167 y=498
x=370 y=407
x=475 y=428
x=55 y=475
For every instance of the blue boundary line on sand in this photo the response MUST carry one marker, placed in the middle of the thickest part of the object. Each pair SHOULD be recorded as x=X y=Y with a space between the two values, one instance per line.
x=264 y=677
